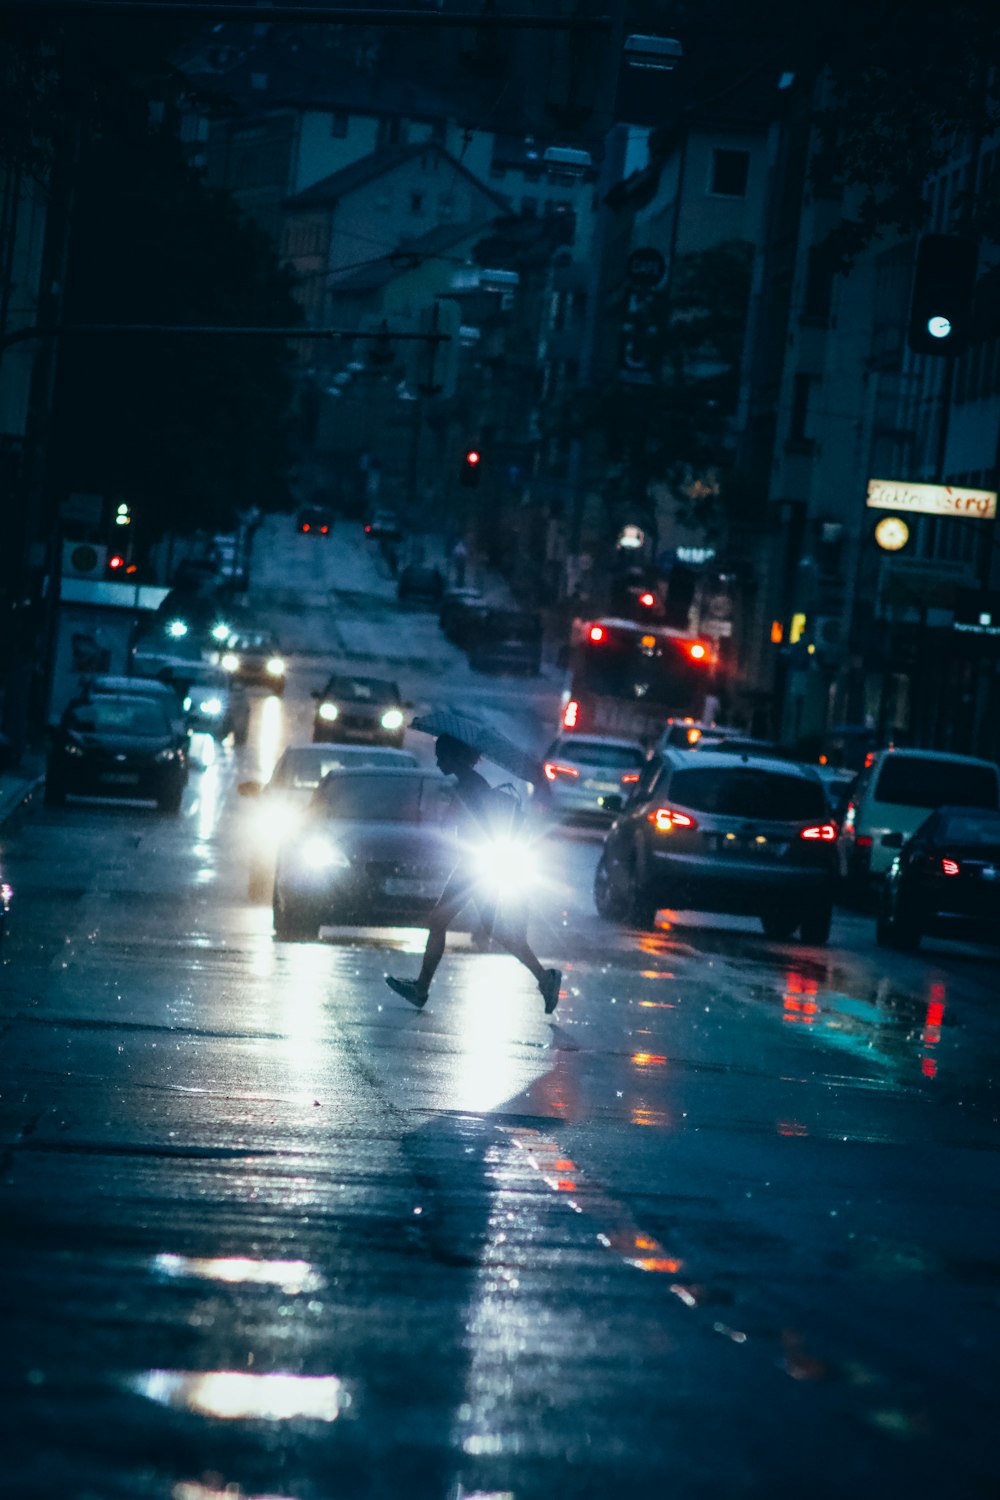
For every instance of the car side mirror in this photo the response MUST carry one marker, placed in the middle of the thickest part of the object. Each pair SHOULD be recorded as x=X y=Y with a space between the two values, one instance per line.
x=613 y=803
x=249 y=788
x=893 y=841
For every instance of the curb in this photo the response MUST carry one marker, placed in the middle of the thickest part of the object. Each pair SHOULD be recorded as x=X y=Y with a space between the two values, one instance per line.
x=12 y=799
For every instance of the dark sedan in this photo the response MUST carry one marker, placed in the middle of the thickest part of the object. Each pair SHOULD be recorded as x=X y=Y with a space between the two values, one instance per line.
x=116 y=747
x=944 y=880
x=710 y=833
x=364 y=710
x=254 y=657
x=375 y=846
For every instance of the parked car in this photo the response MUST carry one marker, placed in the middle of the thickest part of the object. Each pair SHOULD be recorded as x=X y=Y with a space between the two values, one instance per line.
x=116 y=747
x=419 y=583
x=214 y=703
x=254 y=657
x=944 y=880
x=364 y=709
x=707 y=833
x=374 y=846
x=453 y=600
x=507 y=640
x=465 y=620
x=283 y=799
x=582 y=770
x=893 y=794
x=383 y=526
x=102 y=686
x=314 y=520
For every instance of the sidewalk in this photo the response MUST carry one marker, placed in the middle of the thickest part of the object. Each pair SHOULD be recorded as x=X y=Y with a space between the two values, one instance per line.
x=18 y=785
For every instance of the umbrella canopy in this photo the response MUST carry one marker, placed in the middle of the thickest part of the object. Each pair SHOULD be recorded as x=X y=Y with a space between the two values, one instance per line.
x=482 y=738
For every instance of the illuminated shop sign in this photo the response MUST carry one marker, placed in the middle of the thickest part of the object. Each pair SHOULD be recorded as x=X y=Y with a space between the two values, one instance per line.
x=954 y=500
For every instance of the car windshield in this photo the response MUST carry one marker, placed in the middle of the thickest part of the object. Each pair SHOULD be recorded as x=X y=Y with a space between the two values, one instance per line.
x=970 y=828
x=140 y=716
x=387 y=799
x=305 y=769
x=748 y=792
x=362 y=690
x=254 y=642
x=925 y=781
x=592 y=753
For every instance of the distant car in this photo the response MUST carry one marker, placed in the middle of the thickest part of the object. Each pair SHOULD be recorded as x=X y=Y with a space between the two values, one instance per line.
x=420 y=584
x=375 y=846
x=383 y=526
x=893 y=794
x=507 y=640
x=101 y=686
x=116 y=747
x=314 y=520
x=466 y=619
x=736 y=744
x=943 y=880
x=583 y=769
x=159 y=655
x=214 y=703
x=367 y=710
x=685 y=734
x=254 y=657
x=283 y=799
x=710 y=833
x=453 y=600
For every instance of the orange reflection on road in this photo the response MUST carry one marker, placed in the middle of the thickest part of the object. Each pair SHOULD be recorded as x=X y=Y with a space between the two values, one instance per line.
x=933 y=1021
x=641 y=1114
x=648 y=1060
x=800 y=1006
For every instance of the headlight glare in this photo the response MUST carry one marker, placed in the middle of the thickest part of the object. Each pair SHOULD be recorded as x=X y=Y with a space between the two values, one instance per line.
x=164 y=755
x=329 y=712
x=320 y=853
x=230 y=662
x=221 y=632
x=392 y=719
x=177 y=628
x=210 y=706
x=276 y=667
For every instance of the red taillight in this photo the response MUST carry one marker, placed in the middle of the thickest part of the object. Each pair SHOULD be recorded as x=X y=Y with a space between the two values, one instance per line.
x=629 y=777
x=571 y=714
x=666 y=819
x=596 y=632
x=367 y=529
x=647 y=599
x=950 y=867
x=863 y=841
x=554 y=769
x=825 y=832
x=697 y=652
x=306 y=526
x=324 y=529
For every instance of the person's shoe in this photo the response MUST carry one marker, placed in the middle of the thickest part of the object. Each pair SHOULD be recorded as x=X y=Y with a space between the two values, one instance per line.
x=550 y=987
x=409 y=989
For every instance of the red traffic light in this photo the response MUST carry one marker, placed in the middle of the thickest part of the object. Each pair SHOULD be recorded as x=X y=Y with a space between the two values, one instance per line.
x=472 y=457
x=115 y=562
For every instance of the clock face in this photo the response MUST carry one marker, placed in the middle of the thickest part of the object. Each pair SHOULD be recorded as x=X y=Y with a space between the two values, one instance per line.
x=892 y=533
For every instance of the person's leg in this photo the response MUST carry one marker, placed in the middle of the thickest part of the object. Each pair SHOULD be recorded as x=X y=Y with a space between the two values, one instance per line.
x=444 y=912
x=511 y=931
x=437 y=932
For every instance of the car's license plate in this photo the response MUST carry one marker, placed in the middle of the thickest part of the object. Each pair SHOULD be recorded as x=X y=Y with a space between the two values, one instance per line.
x=121 y=778
x=601 y=786
x=399 y=885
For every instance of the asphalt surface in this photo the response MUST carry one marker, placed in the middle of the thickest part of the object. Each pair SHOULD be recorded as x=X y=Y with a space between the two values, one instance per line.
x=726 y=1225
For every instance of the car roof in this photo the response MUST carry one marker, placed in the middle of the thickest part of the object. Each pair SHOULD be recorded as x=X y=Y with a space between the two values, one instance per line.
x=910 y=752
x=617 y=741
x=143 y=687
x=372 y=682
x=720 y=760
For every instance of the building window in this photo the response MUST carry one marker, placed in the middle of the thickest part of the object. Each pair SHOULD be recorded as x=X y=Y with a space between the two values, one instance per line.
x=416 y=203
x=338 y=126
x=730 y=171
x=799 y=432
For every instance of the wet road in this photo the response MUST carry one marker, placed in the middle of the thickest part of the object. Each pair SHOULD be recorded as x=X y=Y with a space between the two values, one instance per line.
x=727 y=1226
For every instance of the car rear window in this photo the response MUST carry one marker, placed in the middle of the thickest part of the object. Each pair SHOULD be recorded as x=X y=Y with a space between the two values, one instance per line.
x=971 y=828
x=748 y=792
x=362 y=690
x=925 y=781
x=387 y=799
x=140 y=716
x=587 y=753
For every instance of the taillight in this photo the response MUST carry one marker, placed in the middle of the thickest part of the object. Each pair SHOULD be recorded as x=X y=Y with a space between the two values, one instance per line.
x=824 y=832
x=950 y=867
x=570 y=714
x=647 y=600
x=666 y=819
x=367 y=530
x=630 y=776
x=554 y=769
x=698 y=652
x=324 y=529
x=305 y=526
x=863 y=841
x=596 y=633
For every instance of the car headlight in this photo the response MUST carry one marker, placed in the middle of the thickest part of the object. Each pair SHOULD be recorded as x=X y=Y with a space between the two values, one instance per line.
x=210 y=706
x=187 y=705
x=392 y=719
x=230 y=662
x=221 y=632
x=177 y=628
x=507 y=866
x=272 y=824
x=329 y=712
x=164 y=755
x=276 y=667
x=321 y=853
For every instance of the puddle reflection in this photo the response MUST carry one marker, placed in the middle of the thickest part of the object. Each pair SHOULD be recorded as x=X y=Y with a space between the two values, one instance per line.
x=270 y=737
x=292 y=1276
x=233 y=1394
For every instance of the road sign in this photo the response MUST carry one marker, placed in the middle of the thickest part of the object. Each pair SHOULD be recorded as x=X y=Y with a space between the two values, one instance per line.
x=82 y=560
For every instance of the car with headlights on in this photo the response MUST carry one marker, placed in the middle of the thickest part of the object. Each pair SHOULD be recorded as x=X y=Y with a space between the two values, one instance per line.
x=582 y=770
x=282 y=800
x=213 y=702
x=944 y=880
x=366 y=710
x=375 y=847
x=254 y=657
x=713 y=833
x=116 y=747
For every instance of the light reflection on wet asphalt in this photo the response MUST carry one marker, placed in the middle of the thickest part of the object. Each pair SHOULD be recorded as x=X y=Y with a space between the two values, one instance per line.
x=482 y=1250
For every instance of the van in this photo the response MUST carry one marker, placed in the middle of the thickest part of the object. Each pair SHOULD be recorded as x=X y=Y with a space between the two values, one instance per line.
x=893 y=794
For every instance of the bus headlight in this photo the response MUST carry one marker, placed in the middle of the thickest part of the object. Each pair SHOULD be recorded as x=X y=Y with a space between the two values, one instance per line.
x=392 y=719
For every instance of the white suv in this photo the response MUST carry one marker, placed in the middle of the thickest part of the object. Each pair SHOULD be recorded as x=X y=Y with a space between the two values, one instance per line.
x=893 y=795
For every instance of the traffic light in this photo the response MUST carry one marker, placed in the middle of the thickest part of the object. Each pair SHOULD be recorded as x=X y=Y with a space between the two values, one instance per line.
x=472 y=463
x=115 y=565
x=123 y=515
x=944 y=283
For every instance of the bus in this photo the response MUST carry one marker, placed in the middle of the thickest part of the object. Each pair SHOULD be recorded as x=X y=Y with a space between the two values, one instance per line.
x=627 y=678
